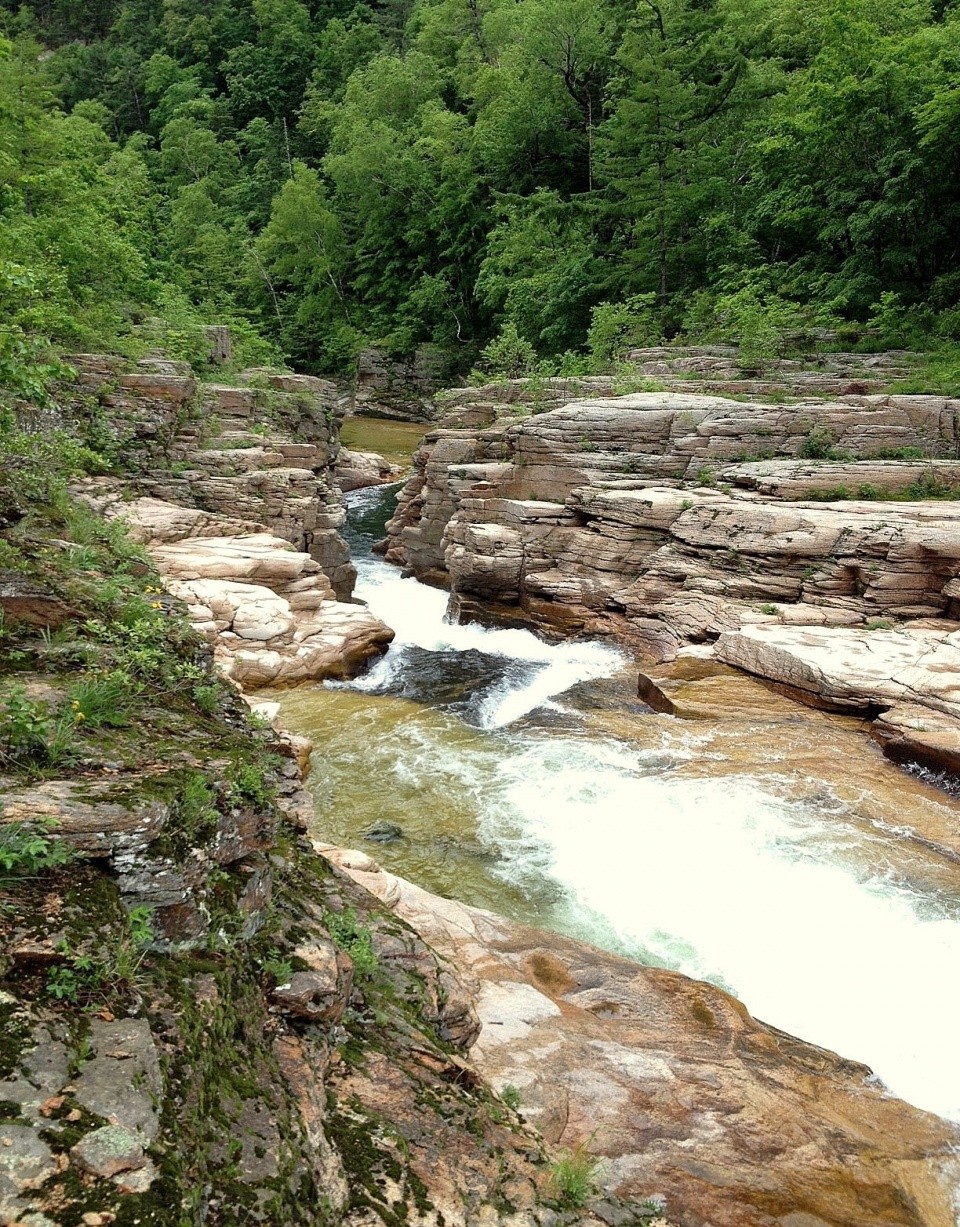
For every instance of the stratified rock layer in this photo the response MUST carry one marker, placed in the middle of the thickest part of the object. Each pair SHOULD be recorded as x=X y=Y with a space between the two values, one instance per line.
x=645 y=517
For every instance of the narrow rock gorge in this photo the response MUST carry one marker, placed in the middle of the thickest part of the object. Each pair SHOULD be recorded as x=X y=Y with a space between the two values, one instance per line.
x=216 y=1015
x=780 y=537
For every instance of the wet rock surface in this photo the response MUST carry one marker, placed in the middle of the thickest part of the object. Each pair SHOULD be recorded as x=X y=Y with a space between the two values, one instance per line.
x=736 y=1123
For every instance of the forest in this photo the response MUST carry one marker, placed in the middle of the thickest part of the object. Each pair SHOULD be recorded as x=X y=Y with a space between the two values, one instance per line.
x=560 y=178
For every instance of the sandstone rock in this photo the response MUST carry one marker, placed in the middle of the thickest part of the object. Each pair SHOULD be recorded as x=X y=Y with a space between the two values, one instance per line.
x=680 y=1090
x=21 y=601
x=854 y=670
x=915 y=733
x=797 y=479
x=357 y=470
x=320 y=994
x=122 y=1082
x=603 y=516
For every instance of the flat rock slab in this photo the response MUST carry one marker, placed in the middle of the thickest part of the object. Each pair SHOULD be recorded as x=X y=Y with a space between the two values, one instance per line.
x=26 y=1161
x=852 y=669
x=677 y=1087
x=122 y=1083
x=109 y=1151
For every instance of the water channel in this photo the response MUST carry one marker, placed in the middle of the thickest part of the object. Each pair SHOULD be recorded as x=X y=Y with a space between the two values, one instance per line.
x=757 y=844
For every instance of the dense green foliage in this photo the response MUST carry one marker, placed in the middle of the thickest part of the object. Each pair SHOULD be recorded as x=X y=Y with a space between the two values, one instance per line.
x=414 y=172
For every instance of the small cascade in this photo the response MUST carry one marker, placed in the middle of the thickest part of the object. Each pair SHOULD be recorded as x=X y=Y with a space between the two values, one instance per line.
x=517 y=789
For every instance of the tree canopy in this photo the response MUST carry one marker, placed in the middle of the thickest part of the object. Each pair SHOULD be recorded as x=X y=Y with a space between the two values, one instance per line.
x=329 y=173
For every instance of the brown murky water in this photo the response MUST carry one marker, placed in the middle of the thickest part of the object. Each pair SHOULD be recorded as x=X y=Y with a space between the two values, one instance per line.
x=395 y=441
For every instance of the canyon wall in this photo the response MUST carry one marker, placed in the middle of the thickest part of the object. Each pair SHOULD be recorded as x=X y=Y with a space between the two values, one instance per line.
x=677 y=520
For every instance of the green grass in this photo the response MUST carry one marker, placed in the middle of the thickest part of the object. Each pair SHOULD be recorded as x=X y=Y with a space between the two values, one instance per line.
x=934 y=374
x=103 y=700
x=574 y=1177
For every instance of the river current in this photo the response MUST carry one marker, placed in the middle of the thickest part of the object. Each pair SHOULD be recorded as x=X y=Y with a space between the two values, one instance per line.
x=764 y=847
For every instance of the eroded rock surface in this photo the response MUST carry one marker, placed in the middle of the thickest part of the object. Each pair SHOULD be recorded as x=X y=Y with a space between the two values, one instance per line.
x=686 y=1095
x=233 y=490
x=644 y=517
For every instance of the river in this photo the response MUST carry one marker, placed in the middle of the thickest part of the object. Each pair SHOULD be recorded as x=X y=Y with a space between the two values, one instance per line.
x=760 y=845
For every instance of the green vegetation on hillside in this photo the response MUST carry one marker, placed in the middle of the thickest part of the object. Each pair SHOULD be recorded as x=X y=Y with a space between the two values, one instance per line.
x=326 y=174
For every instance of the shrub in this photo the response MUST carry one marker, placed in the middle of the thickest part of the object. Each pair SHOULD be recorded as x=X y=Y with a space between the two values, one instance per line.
x=196 y=806
x=929 y=486
x=354 y=939
x=511 y=1097
x=820 y=444
x=509 y=355
x=248 y=785
x=615 y=328
x=29 y=733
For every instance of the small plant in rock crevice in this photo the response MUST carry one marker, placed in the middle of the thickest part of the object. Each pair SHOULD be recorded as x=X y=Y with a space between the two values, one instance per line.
x=574 y=1178
x=511 y=1097
x=354 y=939
x=26 y=851
x=113 y=969
x=31 y=736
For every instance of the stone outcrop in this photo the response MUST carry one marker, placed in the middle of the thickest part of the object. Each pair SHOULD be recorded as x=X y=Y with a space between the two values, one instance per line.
x=203 y=1021
x=712 y=369
x=233 y=489
x=264 y=450
x=834 y=481
x=268 y=610
x=674 y=1084
x=641 y=517
x=357 y=470
x=402 y=389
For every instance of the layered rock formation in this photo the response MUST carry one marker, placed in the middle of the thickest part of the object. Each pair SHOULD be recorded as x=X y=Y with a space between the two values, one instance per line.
x=646 y=517
x=357 y=470
x=736 y=1123
x=267 y=1047
x=263 y=451
x=239 y=506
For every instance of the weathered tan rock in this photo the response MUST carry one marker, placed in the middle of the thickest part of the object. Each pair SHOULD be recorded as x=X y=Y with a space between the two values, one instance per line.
x=357 y=470
x=268 y=609
x=854 y=669
x=916 y=733
x=606 y=516
x=798 y=479
x=321 y=993
x=682 y=1092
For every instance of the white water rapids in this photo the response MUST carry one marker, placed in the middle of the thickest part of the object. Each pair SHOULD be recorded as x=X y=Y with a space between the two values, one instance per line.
x=809 y=918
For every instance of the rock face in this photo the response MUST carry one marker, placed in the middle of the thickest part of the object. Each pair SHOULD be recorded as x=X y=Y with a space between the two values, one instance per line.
x=263 y=451
x=712 y=369
x=233 y=489
x=357 y=470
x=401 y=389
x=268 y=610
x=274 y=1049
x=682 y=1092
x=641 y=517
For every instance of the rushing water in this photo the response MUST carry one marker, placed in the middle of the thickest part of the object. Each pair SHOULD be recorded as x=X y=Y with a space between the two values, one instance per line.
x=527 y=778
